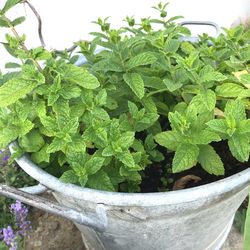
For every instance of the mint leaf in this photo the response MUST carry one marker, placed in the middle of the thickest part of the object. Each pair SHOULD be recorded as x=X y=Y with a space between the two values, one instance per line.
x=127 y=159
x=94 y=165
x=41 y=155
x=168 y=139
x=229 y=90
x=80 y=76
x=32 y=142
x=185 y=157
x=18 y=21
x=205 y=101
x=218 y=125
x=56 y=145
x=235 y=109
x=244 y=126
x=16 y=88
x=100 y=181
x=136 y=83
x=239 y=145
x=204 y=137
x=210 y=160
x=69 y=176
x=144 y=58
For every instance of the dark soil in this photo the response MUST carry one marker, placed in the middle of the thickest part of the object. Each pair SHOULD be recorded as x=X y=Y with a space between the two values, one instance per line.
x=155 y=175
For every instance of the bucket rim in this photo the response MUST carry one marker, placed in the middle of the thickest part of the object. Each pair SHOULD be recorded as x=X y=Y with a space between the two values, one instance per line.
x=208 y=191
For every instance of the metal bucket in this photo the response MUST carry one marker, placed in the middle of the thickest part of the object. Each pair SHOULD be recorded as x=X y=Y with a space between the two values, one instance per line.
x=193 y=219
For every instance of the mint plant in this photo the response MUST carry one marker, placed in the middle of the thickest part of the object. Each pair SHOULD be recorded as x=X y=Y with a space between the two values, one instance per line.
x=147 y=93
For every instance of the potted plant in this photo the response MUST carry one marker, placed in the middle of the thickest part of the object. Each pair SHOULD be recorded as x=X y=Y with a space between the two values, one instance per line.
x=149 y=112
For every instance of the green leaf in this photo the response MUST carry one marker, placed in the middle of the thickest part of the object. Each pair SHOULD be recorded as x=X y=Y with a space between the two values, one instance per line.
x=56 y=145
x=41 y=155
x=133 y=109
x=172 y=85
x=18 y=21
x=101 y=98
x=32 y=142
x=100 y=181
x=94 y=165
x=69 y=176
x=15 y=89
x=136 y=83
x=208 y=74
x=210 y=160
x=80 y=76
x=168 y=139
x=3 y=22
x=127 y=159
x=205 y=101
x=171 y=45
x=9 y=4
x=127 y=139
x=218 y=125
x=229 y=90
x=185 y=157
x=100 y=113
x=235 y=109
x=204 y=137
x=144 y=58
x=7 y=135
x=12 y=65
x=244 y=126
x=239 y=145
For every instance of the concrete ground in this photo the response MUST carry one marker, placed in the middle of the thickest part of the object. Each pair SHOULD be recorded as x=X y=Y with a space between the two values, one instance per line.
x=234 y=241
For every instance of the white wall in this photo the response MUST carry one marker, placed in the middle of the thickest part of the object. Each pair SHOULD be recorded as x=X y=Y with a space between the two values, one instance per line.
x=68 y=21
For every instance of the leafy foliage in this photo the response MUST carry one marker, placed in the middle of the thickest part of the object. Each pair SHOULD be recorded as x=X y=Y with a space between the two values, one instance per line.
x=147 y=92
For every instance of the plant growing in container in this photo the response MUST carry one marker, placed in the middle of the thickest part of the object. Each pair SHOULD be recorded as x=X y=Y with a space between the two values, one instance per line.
x=150 y=112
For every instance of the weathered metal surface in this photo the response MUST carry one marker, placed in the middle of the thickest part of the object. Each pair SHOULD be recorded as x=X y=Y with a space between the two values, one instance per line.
x=192 y=219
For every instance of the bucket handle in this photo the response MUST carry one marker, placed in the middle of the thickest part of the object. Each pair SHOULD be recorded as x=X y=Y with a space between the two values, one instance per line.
x=99 y=223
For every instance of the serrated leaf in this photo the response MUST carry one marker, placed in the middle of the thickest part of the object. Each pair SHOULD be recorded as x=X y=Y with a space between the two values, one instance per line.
x=208 y=74
x=127 y=139
x=79 y=76
x=136 y=83
x=100 y=113
x=144 y=58
x=210 y=160
x=172 y=85
x=239 y=145
x=41 y=155
x=15 y=89
x=218 y=125
x=172 y=45
x=69 y=176
x=101 y=98
x=70 y=92
x=127 y=159
x=32 y=142
x=185 y=157
x=204 y=137
x=18 y=21
x=100 y=181
x=235 y=109
x=168 y=139
x=56 y=145
x=94 y=165
x=204 y=101
x=7 y=135
x=244 y=126
x=229 y=90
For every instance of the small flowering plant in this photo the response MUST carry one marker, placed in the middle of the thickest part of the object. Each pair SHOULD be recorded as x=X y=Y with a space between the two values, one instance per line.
x=12 y=236
x=150 y=101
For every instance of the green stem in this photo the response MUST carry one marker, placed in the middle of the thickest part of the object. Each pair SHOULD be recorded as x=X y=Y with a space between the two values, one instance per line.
x=157 y=92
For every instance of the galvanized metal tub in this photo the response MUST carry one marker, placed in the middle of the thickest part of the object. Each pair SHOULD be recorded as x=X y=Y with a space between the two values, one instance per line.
x=193 y=219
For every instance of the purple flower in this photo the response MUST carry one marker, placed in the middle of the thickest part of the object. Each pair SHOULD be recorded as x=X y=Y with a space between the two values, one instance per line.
x=8 y=235
x=6 y=158
x=21 y=212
